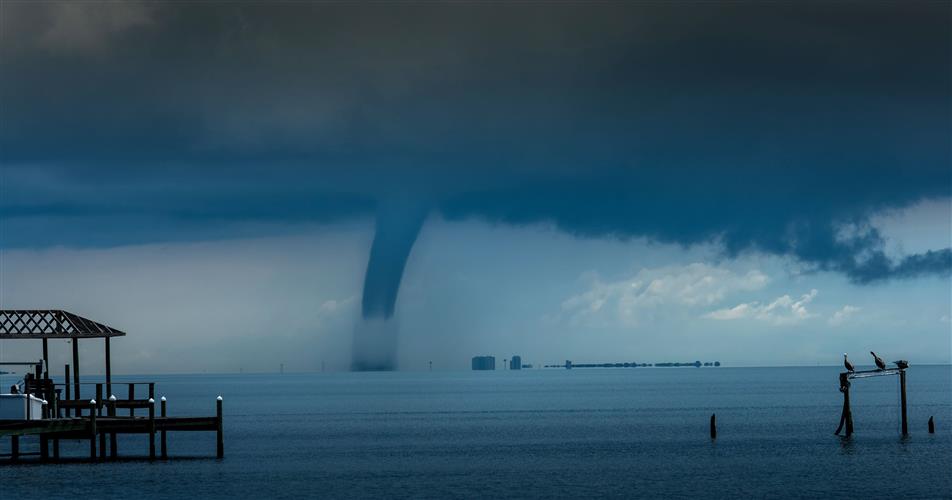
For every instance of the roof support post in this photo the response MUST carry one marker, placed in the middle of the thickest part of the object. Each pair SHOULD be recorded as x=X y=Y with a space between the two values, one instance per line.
x=108 y=369
x=75 y=341
x=46 y=359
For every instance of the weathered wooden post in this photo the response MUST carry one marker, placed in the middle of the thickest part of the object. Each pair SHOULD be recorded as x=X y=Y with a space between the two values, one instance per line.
x=902 y=400
x=66 y=382
x=151 y=429
x=14 y=448
x=54 y=404
x=847 y=416
x=132 y=396
x=98 y=410
x=113 y=446
x=931 y=425
x=108 y=356
x=220 y=429
x=75 y=342
x=713 y=426
x=44 y=439
x=92 y=428
x=46 y=359
x=99 y=398
x=164 y=447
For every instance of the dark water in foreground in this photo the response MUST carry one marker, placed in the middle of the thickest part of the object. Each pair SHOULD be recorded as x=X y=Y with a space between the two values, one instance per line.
x=536 y=433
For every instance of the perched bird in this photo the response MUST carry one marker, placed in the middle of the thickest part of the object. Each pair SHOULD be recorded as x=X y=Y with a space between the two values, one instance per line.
x=847 y=364
x=902 y=364
x=879 y=361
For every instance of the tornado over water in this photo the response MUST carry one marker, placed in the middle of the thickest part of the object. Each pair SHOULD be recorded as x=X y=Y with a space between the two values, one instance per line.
x=375 y=337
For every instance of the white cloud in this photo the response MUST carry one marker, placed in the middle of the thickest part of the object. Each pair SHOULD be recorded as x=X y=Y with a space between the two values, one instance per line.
x=782 y=311
x=625 y=302
x=843 y=315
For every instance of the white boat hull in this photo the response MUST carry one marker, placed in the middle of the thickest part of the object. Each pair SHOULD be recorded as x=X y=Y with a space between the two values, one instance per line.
x=20 y=407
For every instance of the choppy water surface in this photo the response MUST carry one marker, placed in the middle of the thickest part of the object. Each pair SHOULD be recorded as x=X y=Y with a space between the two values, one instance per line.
x=535 y=433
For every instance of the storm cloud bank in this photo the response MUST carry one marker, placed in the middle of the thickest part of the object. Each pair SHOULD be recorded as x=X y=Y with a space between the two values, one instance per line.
x=777 y=128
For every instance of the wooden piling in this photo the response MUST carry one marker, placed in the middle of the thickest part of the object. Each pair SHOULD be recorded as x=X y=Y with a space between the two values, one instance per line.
x=713 y=426
x=54 y=404
x=68 y=393
x=111 y=410
x=108 y=356
x=99 y=398
x=46 y=359
x=55 y=448
x=76 y=395
x=902 y=393
x=846 y=418
x=14 y=448
x=44 y=440
x=92 y=429
x=931 y=425
x=151 y=429
x=220 y=429
x=132 y=396
x=164 y=446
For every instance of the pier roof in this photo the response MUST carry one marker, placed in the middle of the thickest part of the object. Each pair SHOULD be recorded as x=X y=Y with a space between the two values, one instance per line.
x=50 y=324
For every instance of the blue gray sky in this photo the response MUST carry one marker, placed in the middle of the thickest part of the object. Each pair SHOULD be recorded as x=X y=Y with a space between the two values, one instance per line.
x=755 y=183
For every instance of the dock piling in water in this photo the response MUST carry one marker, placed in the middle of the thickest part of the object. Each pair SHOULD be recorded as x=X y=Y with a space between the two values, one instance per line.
x=164 y=447
x=65 y=415
x=111 y=411
x=220 y=429
x=713 y=426
x=902 y=393
x=931 y=425
x=151 y=429
x=68 y=393
x=92 y=428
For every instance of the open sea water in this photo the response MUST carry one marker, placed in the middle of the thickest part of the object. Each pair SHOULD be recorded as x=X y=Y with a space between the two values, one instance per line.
x=639 y=432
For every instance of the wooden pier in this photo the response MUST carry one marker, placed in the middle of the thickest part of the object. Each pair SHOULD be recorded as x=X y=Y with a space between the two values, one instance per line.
x=846 y=417
x=70 y=412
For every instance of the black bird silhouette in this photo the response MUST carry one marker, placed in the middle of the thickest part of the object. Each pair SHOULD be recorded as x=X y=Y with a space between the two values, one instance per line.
x=902 y=364
x=847 y=364
x=879 y=361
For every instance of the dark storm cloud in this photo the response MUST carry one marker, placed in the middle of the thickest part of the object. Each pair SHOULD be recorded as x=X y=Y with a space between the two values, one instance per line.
x=764 y=126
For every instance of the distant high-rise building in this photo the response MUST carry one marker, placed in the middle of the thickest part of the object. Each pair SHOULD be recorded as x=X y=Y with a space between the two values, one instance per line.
x=484 y=363
x=515 y=363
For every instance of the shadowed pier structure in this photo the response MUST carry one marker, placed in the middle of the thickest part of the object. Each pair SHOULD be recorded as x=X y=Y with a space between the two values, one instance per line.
x=70 y=410
x=846 y=418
